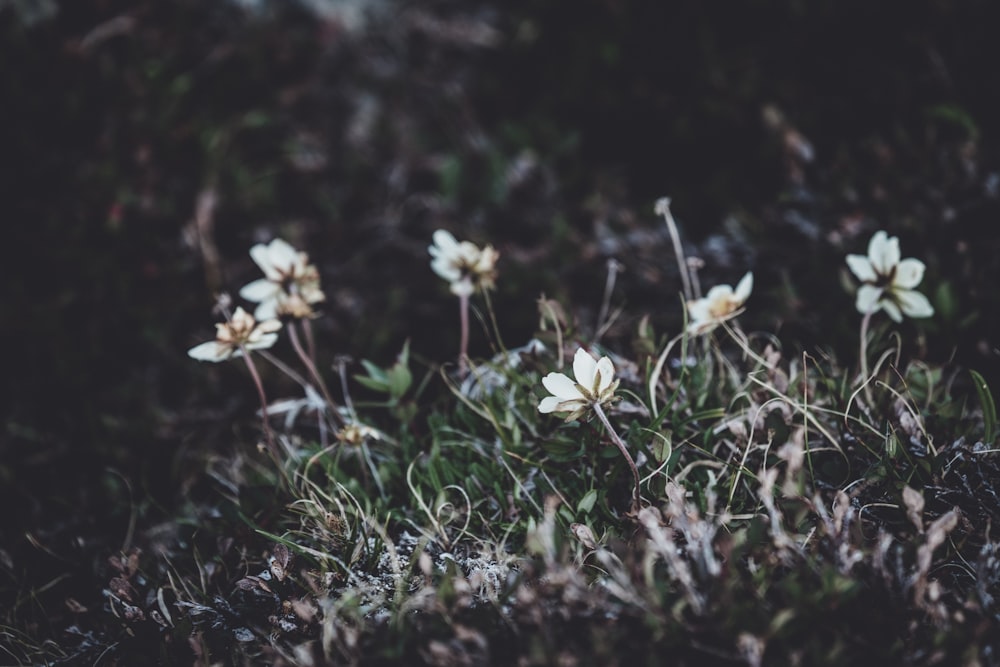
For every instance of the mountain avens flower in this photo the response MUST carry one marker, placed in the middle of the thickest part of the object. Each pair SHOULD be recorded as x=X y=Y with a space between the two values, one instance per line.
x=888 y=281
x=595 y=384
x=242 y=331
x=720 y=304
x=593 y=388
x=463 y=264
x=290 y=284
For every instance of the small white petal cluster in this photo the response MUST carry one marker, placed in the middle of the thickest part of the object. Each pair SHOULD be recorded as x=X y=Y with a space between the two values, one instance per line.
x=290 y=284
x=242 y=331
x=888 y=281
x=595 y=384
x=463 y=264
x=720 y=304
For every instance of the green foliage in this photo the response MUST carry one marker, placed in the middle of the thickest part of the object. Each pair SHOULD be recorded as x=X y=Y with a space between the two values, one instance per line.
x=988 y=406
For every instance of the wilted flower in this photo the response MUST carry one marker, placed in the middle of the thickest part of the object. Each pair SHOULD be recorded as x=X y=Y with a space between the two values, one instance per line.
x=290 y=285
x=721 y=303
x=594 y=385
x=888 y=281
x=240 y=331
x=464 y=265
x=355 y=434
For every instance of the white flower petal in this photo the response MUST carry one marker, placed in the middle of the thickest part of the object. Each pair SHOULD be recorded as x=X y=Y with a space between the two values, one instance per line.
x=549 y=404
x=584 y=368
x=744 y=288
x=914 y=304
x=698 y=310
x=268 y=325
x=446 y=269
x=262 y=342
x=242 y=319
x=282 y=255
x=262 y=258
x=561 y=387
x=719 y=293
x=468 y=253
x=261 y=289
x=862 y=268
x=892 y=310
x=883 y=252
x=444 y=244
x=211 y=351
x=488 y=257
x=607 y=371
x=267 y=310
x=868 y=299
x=909 y=273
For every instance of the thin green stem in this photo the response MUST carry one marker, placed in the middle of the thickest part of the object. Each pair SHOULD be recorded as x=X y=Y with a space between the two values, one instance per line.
x=493 y=320
x=615 y=438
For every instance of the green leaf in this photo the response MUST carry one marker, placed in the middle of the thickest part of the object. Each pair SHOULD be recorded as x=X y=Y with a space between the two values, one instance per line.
x=661 y=446
x=377 y=385
x=400 y=379
x=562 y=449
x=988 y=404
x=587 y=502
x=375 y=372
x=946 y=301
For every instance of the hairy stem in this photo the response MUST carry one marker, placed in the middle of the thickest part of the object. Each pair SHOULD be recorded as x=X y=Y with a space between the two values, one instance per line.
x=463 y=348
x=636 y=500
x=272 y=446
x=311 y=367
x=865 y=322
x=310 y=339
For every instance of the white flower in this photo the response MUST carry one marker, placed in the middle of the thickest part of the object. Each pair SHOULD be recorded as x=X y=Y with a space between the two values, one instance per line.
x=594 y=385
x=290 y=284
x=888 y=281
x=463 y=264
x=242 y=331
x=720 y=304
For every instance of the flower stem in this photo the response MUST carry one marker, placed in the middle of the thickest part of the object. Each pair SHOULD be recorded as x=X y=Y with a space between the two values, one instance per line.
x=463 y=349
x=636 y=500
x=675 y=239
x=252 y=367
x=342 y=371
x=865 y=322
x=284 y=368
x=603 y=324
x=310 y=339
x=311 y=367
x=493 y=320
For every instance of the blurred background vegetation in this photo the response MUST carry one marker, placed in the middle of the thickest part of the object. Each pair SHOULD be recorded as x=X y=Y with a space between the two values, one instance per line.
x=148 y=144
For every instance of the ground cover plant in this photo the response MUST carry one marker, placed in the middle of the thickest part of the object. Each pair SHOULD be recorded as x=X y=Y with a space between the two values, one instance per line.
x=473 y=395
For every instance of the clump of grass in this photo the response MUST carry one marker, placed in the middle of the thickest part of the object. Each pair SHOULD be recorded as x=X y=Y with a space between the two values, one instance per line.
x=709 y=495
